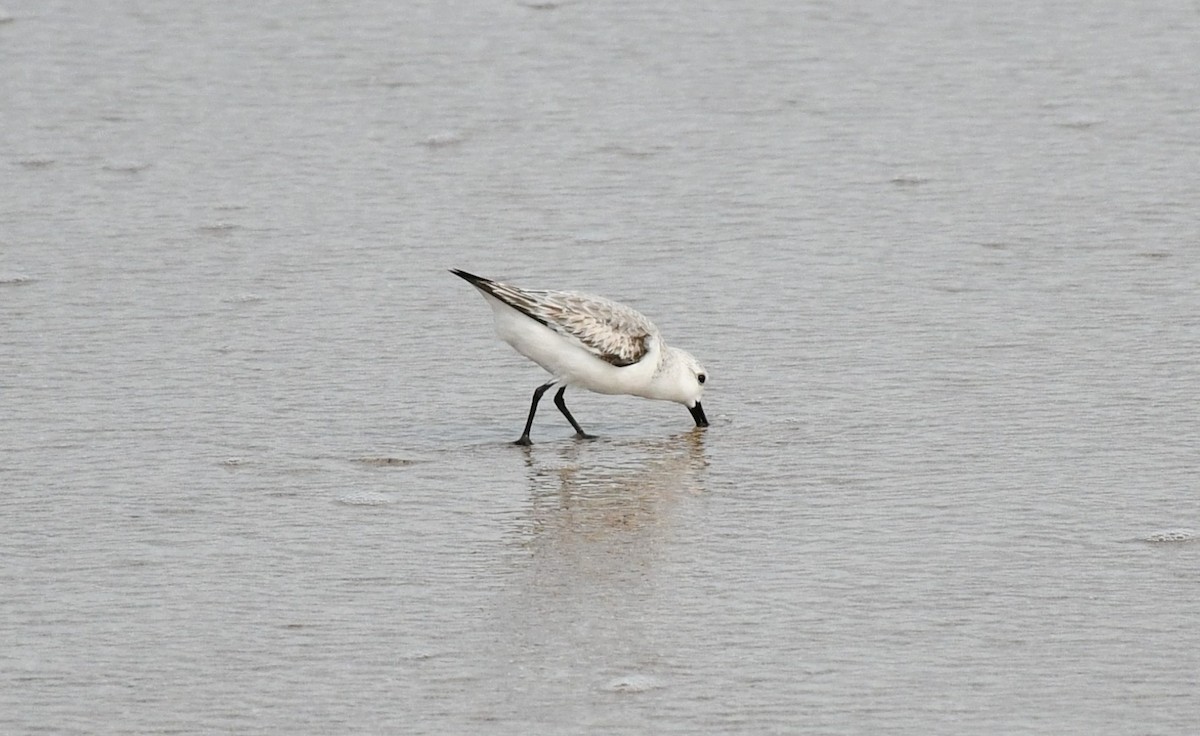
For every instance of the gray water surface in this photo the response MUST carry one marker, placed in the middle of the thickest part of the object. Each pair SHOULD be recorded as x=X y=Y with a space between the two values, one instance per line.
x=942 y=264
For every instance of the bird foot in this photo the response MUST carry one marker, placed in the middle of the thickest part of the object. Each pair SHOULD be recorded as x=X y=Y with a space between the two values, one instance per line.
x=524 y=441
x=585 y=436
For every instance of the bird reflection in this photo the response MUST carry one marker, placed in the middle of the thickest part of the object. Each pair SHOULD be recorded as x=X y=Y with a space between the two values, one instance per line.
x=589 y=552
x=591 y=491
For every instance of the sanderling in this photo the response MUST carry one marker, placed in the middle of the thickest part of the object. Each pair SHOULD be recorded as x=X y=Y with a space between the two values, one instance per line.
x=590 y=342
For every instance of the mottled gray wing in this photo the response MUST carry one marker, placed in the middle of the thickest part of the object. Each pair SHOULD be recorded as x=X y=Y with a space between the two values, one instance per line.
x=612 y=332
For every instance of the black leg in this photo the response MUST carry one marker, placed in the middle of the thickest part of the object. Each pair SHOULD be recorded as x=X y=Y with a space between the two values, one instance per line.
x=562 y=406
x=537 y=396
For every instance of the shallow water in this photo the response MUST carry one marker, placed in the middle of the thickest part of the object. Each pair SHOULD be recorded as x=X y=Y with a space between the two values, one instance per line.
x=940 y=263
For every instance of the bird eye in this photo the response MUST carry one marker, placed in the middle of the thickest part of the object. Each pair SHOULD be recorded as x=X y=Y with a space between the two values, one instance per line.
x=701 y=378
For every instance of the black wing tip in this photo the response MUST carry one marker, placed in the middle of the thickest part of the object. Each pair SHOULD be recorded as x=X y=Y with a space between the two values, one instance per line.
x=487 y=286
x=472 y=278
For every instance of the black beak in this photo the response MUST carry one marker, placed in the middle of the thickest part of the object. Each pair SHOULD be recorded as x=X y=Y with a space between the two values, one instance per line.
x=698 y=414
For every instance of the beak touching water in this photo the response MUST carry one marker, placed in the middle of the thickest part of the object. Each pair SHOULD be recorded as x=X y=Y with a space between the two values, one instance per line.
x=698 y=414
